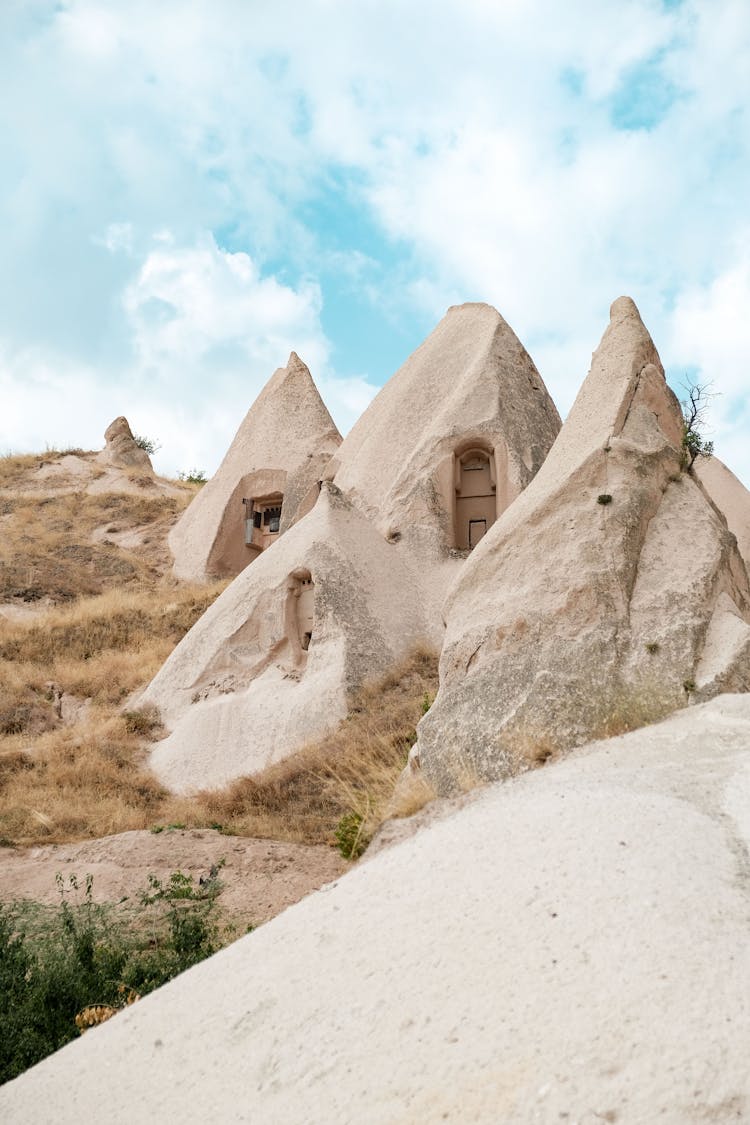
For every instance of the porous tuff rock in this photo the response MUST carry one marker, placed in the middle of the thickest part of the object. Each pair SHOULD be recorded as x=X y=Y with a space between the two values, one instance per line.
x=239 y=692
x=286 y=433
x=571 y=947
x=730 y=496
x=121 y=451
x=471 y=382
x=609 y=594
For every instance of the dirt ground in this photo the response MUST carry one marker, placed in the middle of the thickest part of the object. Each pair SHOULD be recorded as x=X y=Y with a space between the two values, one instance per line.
x=260 y=877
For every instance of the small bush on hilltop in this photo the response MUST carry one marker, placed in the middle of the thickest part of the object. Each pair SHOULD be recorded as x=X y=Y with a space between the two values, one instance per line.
x=150 y=445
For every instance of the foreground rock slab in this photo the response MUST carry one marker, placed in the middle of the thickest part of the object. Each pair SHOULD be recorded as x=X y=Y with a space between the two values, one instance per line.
x=570 y=947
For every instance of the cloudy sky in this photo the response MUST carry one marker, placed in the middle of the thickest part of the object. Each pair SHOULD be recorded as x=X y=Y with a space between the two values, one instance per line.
x=191 y=188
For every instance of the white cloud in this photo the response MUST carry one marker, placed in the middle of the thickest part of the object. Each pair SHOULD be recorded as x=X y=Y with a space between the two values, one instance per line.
x=710 y=337
x=189 y=301
x=480 y=138
x=209 y=330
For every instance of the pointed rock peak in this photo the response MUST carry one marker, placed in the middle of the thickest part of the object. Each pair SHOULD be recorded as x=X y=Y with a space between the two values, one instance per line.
x=623 y=308
x=470 y=383
x=469 y=306
x=625 y=372
x=120 y=427
x=276 y=458
x=121 y=449
x=293 y=387
x=295 y=363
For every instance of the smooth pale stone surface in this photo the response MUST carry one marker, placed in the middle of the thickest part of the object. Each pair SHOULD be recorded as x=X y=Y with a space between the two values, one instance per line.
x=470 y=382
x=572 y=946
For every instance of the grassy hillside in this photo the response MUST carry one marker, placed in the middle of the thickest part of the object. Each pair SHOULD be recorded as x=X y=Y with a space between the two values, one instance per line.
x=94 y=612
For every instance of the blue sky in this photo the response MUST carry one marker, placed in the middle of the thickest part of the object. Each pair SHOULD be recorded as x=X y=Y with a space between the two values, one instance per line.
x=191 y=189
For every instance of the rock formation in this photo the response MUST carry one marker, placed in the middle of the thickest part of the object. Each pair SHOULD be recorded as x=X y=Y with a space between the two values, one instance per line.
x=571 y=947
x=731 y=498
x=121 y=450
x=271 y=665
x=267 y=480
x=448 y=443
x=610 y=593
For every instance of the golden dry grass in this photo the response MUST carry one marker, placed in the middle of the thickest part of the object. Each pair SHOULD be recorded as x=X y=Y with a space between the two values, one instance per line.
x=89 y=778
x=354 y=770
x=15 y=468
x=72 y=764
x=62 y=780
x=48 y=550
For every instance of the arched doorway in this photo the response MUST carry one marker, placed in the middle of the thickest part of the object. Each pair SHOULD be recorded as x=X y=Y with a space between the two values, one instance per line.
x=476 y=497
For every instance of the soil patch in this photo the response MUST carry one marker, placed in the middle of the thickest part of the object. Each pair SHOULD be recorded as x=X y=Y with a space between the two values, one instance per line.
x=260 y=877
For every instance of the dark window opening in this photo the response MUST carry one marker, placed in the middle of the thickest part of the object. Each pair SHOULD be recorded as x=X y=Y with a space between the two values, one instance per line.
x=257 y=518
x=306 y=638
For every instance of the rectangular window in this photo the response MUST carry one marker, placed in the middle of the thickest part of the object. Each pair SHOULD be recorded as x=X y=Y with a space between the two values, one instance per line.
x=256 y=519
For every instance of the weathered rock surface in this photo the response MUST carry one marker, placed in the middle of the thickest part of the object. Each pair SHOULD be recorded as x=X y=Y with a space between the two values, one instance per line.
x=610 y=593
x=470 y=385
x=287 y=434
x=242 y=691
x=731 y=498
x=571 y=947
x=121 y=451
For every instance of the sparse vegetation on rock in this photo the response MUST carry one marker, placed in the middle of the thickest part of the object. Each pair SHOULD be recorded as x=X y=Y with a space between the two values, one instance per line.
x=694 y=416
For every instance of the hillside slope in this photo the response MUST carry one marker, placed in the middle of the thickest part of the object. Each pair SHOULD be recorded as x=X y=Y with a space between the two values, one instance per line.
x=572 y=946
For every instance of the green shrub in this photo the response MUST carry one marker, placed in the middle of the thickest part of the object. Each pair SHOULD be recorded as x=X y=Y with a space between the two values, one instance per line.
x=64 y=969
x=150 y=445
x=193 y=476
x=349 y=835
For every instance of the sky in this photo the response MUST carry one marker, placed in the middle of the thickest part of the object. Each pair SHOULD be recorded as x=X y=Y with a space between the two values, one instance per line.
x=190 y=189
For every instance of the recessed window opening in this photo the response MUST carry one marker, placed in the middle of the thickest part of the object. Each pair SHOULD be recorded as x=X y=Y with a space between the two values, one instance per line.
x=262 y=520
x=475 y=496
x=302 y=619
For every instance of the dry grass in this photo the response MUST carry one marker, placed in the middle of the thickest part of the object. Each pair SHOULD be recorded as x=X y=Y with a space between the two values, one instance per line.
x=72 y=761
x=16 y=467
x=90 y=779
x=62 y=780
x=47 y=549
x=353 y=771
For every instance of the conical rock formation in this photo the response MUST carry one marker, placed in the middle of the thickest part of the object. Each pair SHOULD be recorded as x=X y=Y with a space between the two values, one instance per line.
x=271 y=665
x=609 y=594
x=287 y=434
x=470 y=386
x=121 y=450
